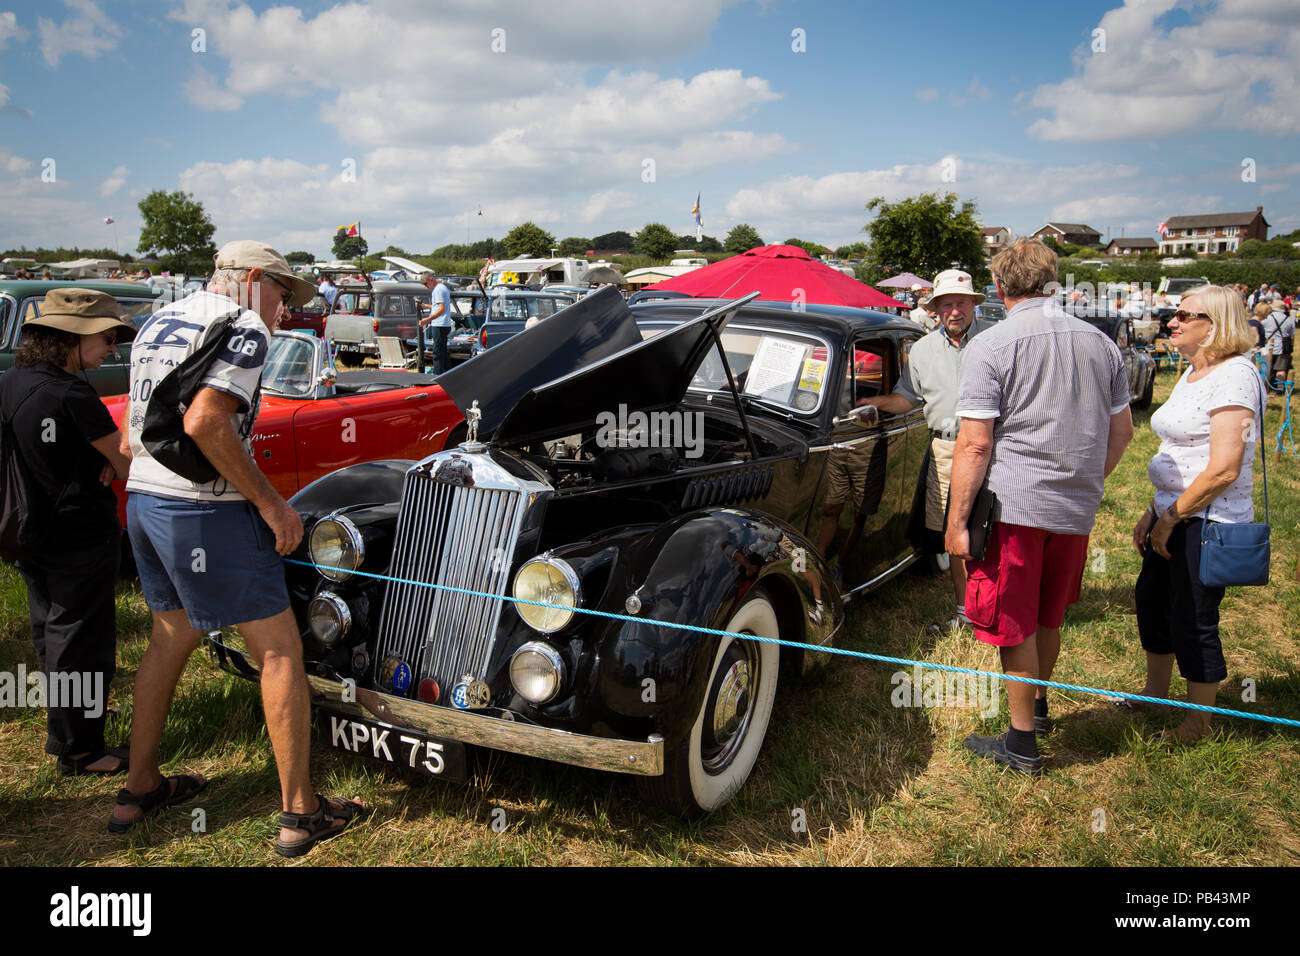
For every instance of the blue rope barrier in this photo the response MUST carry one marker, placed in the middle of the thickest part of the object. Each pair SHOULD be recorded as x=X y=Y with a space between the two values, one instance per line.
x=845 y=652
x=1285 y=429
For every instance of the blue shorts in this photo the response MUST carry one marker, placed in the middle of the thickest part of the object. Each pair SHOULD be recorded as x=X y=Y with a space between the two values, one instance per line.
x=215 y=560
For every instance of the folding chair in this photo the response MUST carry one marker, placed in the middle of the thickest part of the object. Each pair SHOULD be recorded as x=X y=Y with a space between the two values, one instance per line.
x=392 y=355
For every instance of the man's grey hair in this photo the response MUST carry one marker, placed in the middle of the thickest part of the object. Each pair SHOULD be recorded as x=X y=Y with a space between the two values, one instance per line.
x=229 y=280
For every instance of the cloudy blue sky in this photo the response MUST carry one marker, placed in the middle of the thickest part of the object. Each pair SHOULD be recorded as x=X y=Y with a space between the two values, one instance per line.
x=592 y=115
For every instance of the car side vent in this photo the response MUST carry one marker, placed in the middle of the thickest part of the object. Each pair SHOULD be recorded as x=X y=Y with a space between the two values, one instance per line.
x=728 y=488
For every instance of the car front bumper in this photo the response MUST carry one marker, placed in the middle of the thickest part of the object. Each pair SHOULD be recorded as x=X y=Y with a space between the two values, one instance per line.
x=643 y=758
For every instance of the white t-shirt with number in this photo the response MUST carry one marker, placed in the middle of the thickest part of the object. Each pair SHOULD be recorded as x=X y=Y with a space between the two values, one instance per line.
x=1183 y=426
x=165 y=340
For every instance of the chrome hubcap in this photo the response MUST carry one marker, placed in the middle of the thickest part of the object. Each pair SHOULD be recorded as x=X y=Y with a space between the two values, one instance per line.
x=730 y=706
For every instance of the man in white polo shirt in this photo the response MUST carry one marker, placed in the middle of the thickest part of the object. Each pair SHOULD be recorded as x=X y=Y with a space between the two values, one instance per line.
x=208 y=531
x=930 y=379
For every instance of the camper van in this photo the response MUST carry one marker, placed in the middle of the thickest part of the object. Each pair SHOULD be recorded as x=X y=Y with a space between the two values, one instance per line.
x=528 y=270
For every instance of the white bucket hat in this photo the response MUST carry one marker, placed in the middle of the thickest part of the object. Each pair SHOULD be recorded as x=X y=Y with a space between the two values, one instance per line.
x=955 y=282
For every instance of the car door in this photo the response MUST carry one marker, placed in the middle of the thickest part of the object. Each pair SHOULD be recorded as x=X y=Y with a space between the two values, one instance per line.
x=862 y=525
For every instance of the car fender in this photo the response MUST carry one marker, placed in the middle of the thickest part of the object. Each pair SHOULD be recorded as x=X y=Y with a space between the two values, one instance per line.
x=371 y=482
x=698 y=569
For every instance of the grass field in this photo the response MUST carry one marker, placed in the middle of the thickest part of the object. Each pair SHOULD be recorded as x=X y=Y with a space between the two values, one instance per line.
x=874 y=784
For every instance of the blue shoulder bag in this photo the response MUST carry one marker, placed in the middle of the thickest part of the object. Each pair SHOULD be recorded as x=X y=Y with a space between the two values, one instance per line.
x=1237 y=554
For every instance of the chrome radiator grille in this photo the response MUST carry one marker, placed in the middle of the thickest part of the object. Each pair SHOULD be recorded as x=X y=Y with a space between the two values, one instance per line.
x=461 y=537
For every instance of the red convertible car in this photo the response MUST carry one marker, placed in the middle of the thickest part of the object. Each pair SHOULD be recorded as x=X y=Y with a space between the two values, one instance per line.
x=315 y=420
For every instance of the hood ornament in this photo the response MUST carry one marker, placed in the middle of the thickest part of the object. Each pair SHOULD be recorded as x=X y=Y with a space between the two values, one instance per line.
x=472 y=418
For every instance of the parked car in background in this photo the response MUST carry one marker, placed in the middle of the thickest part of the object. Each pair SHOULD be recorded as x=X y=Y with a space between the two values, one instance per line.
x=364 y=311
x=992 y=309
x=308 y=318
x=509 y=311
x=730 y=519
x=1141 y=367
x=20 y=299
x=315 y=419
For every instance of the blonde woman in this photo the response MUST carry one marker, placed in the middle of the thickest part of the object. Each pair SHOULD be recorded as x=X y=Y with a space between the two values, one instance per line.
x=1207 y=432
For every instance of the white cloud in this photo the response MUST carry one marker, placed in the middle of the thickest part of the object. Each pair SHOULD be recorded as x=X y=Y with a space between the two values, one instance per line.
x=832 y=208
x=1232 y=68
x=10 y=162
x=9 y=28
x=975 y=91
x=602 y=204
x=115 y=181
x=928 y=94
x=4 y=94
x=205 y=91
x=88 y=33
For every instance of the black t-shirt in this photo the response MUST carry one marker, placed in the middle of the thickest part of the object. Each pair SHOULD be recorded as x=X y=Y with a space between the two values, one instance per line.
x=53 y=431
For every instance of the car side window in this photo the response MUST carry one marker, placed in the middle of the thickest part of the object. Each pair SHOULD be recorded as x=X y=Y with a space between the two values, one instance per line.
x=870 y=369
x=6 y=322
x=392 y=305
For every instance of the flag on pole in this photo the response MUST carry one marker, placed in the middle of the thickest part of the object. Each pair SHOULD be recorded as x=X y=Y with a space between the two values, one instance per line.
x=1162 y=229
x=108 y=220
x=352 y=230
x=696 y=211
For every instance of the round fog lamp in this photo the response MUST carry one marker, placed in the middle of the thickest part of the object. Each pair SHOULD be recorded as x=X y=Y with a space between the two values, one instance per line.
x=537 y=672
x=547 y=581
x=336 y=548
x=330 y=618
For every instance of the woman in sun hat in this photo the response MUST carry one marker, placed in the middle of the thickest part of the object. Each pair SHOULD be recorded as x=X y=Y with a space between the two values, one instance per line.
x=71 y=449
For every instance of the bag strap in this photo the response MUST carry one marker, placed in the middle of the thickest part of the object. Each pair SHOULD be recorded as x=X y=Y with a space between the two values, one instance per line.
x=1263 y=460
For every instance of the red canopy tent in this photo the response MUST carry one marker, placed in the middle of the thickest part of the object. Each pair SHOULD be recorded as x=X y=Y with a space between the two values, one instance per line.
x=778 y=273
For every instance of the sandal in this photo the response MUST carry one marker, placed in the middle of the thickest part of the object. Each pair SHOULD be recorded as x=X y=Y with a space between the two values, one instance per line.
x=319 y=825
x=77 y=766
x=165 y=795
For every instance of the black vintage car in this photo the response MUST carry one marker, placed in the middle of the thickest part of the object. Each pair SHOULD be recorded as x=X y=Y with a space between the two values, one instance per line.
x=1139 y=366
x=623 y=465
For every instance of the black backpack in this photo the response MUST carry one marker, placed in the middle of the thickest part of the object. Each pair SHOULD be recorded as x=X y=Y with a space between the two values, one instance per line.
x=24 y=509
x=163 y=434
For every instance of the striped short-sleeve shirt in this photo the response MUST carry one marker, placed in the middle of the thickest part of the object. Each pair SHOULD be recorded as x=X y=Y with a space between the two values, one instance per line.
x=1051 y=382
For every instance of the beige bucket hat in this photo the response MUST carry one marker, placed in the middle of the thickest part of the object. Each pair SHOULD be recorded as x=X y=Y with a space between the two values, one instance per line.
x=955 y=282
x=80 y=311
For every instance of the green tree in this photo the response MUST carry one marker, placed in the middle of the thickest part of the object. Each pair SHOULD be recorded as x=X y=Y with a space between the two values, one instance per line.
x=176 y=225
x=619 y=241
x=528 y=239
x=854 y=250
x=656 y=241
x=349 y=247
x=299 y=256
x=927 y=234
x=708 y=244
x=742 y=238
x=575 y=246
x=396 y=251
x=814 y=249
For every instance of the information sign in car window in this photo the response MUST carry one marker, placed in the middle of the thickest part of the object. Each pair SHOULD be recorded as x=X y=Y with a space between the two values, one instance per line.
x=774 y=370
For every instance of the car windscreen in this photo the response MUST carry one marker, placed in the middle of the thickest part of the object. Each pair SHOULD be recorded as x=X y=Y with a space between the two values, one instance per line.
x=290 y=367
x=134 y=311
x=507 y=307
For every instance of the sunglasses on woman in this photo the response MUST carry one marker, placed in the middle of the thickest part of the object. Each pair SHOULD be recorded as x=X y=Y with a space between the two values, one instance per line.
x=1182 y=316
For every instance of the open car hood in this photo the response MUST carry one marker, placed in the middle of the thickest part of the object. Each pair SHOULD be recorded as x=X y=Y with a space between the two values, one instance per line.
x=647 y=375
x=592 y=329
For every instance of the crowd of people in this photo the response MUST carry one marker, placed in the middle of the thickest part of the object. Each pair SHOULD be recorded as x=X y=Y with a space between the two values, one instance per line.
x=208 y=530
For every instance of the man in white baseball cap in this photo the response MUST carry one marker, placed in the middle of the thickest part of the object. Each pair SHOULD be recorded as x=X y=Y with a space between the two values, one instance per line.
x=930 y=379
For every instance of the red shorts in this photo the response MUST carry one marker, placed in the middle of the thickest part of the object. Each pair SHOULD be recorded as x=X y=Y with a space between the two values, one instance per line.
x=1027 y=579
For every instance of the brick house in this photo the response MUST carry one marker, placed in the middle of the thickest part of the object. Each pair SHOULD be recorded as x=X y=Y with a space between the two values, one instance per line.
x=1131 y=246
x=1073 y=233
x=1215 y=232
x=996 y=238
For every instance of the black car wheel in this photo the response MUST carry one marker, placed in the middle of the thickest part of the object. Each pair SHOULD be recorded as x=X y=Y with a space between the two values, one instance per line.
x=705 y=771
x=1145 y=400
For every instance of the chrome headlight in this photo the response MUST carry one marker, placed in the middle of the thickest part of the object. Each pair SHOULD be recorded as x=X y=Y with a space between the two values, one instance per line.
x=329 y=617
x=537 y=672
x=549 y=581
x=336 y=547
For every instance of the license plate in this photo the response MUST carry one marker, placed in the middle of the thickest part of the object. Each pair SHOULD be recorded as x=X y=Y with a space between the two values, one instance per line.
x=399 y=746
